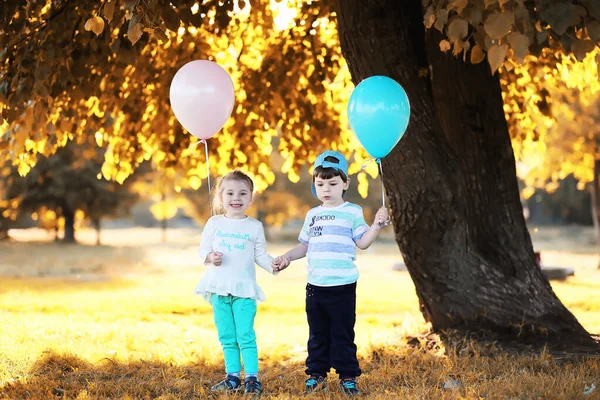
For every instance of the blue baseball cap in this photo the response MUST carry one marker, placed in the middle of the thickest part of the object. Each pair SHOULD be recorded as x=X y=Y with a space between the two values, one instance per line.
x=341 y=165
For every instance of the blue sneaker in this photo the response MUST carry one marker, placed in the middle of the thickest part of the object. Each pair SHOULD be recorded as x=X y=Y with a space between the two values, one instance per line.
x=231 y=383
x=349 y=386
x=315 y=383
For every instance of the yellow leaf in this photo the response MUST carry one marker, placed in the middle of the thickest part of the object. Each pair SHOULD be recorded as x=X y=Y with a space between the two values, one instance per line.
x=458 y=29
x=458 y=5
x=429 y=17
x=363 y=185
x=97 y=25
x=23 y=168
x=109 y=11
x=88 y=24
x=134 y=32
x=496 y=56
x=195 y=182
x=527 y=192
x=519 y=43
x=163 y=210
x=498 y=25
x=445 y=45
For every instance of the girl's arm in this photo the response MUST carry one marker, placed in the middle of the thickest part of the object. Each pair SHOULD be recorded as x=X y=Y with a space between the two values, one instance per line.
x=261 y=257
x=206 y=243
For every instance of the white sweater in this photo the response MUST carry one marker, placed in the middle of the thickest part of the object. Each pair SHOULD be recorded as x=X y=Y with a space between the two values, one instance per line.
x=242 y=243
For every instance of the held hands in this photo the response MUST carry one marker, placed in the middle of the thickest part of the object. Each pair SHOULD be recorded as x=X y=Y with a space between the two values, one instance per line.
x=280 y=263
x=381 y=218
x=215 y=258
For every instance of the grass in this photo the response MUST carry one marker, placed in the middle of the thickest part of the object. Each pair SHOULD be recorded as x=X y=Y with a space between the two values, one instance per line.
x=121 y=321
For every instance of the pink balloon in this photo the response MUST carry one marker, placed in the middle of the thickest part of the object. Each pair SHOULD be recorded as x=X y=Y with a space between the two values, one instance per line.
x=202 y=97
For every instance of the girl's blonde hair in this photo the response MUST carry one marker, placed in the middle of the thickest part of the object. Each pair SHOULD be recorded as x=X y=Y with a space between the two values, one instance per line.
x=237 y=175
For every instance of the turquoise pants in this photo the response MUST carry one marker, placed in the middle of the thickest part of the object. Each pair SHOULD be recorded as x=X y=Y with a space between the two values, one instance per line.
x=234 y=318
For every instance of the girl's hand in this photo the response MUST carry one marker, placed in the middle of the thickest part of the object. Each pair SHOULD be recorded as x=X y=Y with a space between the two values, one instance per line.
x=215 y=258
x=280 y=263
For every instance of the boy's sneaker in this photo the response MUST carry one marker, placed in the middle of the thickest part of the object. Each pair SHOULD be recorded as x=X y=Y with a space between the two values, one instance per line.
x=315 y=383
x=252 y=386
x=231 y=383
x=349 y=386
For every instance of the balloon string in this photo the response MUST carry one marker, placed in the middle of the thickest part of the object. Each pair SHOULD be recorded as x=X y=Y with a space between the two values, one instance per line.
x=207 y=164
x=207 y=167
x=382 y=187
x=207 y=172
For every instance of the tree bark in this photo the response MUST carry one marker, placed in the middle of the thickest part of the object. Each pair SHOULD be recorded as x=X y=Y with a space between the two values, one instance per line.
x=452 y=185
x=69 y=216
x=595 y=206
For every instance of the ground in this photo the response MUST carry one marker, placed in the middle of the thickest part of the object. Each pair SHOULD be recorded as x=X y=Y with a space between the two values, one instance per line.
x=118 y=320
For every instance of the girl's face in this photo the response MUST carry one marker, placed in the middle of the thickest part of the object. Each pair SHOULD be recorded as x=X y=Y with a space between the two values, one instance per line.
x=236 y=197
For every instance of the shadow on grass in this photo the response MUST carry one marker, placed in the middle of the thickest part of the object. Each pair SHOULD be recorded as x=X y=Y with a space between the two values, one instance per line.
x=390 y=372
x=67 y=376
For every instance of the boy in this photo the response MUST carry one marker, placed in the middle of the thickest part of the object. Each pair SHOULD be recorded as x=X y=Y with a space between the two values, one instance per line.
x=329 y=237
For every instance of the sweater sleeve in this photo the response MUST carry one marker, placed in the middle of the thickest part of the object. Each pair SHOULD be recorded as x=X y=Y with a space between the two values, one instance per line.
x=261 y=257
x=207 y=240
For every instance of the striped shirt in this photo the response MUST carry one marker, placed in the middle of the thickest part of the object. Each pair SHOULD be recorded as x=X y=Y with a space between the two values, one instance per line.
x=330 y=233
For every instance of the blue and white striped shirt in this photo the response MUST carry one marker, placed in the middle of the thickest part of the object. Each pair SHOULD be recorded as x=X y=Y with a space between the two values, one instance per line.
x=330 y=233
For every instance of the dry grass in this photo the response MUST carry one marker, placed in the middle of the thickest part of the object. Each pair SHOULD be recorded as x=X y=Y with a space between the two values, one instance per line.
x=121 y=321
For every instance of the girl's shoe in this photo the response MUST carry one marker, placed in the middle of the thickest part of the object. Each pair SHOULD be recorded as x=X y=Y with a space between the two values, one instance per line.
x=315 y=383
x=252 y=386
x=231 y=383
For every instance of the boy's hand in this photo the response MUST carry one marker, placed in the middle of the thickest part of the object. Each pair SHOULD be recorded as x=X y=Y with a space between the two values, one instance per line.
x=215 y=258
x=280 y=263
x=381 y=216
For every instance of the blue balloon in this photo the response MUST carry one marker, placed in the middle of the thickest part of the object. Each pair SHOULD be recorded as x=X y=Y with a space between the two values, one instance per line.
x=378 y=112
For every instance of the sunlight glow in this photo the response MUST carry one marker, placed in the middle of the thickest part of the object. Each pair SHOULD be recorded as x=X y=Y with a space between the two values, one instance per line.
x=284 y=14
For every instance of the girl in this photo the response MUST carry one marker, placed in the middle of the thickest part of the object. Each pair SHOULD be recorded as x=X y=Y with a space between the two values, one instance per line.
x=231 y=243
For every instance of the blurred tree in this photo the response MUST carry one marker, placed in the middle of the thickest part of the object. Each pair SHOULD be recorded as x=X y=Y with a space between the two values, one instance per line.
x=8 y=207
x=451 y=183
x=556 y=113
x=66 y=183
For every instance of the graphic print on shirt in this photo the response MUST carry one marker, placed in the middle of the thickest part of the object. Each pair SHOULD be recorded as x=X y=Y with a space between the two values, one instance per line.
x=315 y=231
x=232 y=241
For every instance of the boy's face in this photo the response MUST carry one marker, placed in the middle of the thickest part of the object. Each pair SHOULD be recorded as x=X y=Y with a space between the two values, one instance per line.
x=330 y=191
x=236 y=197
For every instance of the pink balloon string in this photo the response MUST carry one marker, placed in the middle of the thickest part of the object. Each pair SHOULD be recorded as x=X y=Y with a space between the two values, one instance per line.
x=207 y=166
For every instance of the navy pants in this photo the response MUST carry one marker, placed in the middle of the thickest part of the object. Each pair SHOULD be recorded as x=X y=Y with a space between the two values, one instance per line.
x=331 y=313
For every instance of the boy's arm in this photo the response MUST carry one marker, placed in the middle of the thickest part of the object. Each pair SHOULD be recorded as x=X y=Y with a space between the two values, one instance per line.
x=282 y=262
x=370 y=235
x=297 y=252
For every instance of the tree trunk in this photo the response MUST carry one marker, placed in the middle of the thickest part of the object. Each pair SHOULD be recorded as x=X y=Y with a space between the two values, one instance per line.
x=595 y=197
x=55 y=229
x=97 y=226
x=69 y=216
x=163 y=221
x=451 y=182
